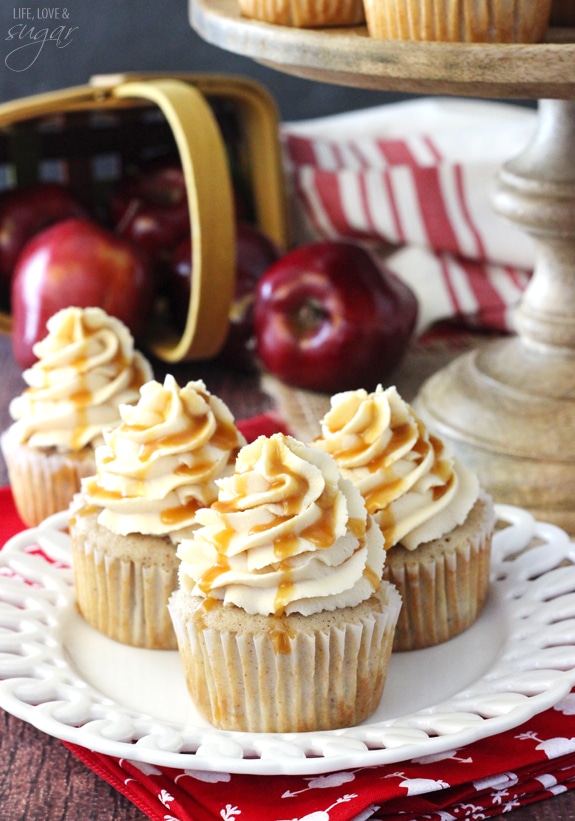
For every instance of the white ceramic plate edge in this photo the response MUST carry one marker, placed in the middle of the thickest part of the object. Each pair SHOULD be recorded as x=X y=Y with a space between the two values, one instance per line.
x=533 y=669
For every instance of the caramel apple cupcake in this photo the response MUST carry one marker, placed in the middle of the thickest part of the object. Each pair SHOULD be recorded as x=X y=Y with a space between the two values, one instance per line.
x=284 y=623
x=154 y=471
x=87 y=367
x=436 y=521
x=305 y=13
x=459 y=21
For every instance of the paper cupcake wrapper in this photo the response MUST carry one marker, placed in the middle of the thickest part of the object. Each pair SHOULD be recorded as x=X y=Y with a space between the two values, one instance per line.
x=442 y=596
x=43 y=483
x=125 y=600
x=520 y=21
x=305 y=13
x=322 y=680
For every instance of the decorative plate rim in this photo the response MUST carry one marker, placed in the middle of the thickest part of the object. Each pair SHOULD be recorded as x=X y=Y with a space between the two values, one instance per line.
x=533 y=669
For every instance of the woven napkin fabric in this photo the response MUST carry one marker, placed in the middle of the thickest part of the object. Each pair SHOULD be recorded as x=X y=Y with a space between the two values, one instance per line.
x=415 y=179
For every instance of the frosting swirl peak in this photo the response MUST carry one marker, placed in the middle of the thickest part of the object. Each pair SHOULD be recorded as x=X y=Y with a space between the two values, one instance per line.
x=413 y=486
x=86 y=368
x=286 y=534
x=160 y=464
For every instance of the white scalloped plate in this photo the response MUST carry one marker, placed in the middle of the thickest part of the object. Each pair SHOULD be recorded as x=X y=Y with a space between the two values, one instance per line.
x=69 y=681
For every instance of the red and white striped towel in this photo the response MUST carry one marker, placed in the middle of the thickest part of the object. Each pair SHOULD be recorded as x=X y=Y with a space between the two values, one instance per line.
x=418 y=176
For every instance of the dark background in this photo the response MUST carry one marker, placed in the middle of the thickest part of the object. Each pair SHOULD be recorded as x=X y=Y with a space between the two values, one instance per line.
x=140 y=35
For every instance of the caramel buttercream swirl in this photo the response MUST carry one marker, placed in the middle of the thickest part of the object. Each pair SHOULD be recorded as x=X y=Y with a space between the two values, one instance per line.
x=161 y=462
x=413 y=486
x=287 y=534
x=86 y=368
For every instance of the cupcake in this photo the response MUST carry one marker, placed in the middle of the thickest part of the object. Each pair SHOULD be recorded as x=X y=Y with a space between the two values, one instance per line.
x=436 y=521
x=459 y=21
x=156 y=468
x=284 y=623
x=305 y=13
x=86 y=368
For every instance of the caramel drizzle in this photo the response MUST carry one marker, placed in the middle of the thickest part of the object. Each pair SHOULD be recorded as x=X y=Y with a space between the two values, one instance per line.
x=224 y=436
x=441 y=468
x=83 y=398
x=372 y=577
x=221 y=565
x=320 y=533
x=281 y=639
x=174 y=516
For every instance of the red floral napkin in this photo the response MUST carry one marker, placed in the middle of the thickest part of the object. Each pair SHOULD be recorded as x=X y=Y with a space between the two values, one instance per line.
x=486 y=778
x=490 y=777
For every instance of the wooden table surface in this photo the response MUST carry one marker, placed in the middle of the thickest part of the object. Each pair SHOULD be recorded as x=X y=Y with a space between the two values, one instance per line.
x=39 y=777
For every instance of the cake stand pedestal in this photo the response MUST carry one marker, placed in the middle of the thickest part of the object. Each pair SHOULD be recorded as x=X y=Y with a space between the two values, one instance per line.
x=508 y=408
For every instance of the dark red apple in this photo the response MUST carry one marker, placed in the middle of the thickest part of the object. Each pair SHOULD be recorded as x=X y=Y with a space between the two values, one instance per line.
x=77 y=262
x=255 y=252
x=23 y=213
x=329 y=317
x=150 y=208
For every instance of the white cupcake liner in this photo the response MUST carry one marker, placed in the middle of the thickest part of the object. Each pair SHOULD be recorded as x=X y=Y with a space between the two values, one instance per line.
x=123 y=599
x=324 y=679
x=305 y=13
x=43 y=482
x=480 y=21
x=442 y=596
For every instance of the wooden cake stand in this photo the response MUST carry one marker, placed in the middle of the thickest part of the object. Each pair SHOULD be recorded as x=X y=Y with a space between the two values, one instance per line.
x=508 y=408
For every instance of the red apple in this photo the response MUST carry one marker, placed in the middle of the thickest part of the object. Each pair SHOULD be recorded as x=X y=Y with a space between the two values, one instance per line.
x=77 y=262
x=150 y=208
x=329 y=317
x=255 y=252
x=23 y=213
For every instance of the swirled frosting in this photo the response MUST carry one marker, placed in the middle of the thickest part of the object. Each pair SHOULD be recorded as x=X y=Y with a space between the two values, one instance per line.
x=161 y=462
x=287 y=534
x=86 y=368
x=413 y=486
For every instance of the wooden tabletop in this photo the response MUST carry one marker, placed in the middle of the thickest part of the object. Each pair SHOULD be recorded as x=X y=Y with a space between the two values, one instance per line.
x=39 y=777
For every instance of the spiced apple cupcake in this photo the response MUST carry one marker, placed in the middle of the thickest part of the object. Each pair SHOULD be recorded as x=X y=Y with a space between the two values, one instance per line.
x=283 y=620
x=87 y=367
x=305 y=13
x=436 y=521
x=459 y=21
x=156 y=468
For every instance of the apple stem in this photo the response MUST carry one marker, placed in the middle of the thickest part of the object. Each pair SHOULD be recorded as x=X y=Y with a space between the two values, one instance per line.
x=310 y=314
x=128 y=215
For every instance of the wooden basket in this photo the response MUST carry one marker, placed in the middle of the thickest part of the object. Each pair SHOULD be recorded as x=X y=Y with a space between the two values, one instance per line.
x=86 y=136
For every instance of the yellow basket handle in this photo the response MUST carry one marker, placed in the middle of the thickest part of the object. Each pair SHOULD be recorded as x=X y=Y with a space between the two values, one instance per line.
x=210 y=199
